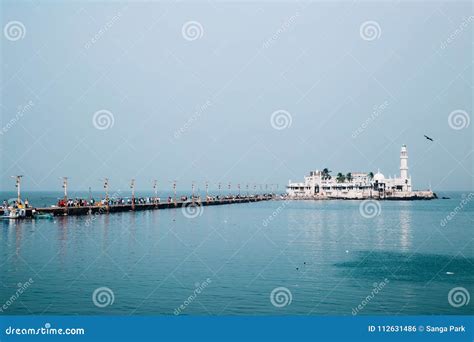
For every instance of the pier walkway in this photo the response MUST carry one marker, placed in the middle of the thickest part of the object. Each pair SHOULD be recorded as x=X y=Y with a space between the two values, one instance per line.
x=104 y=209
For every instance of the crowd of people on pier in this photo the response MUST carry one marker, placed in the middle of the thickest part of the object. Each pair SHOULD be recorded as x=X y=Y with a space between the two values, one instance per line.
x=16 y=204
x=79 y=202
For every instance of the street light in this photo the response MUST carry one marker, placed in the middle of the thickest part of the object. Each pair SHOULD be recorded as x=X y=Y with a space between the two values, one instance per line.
x=174 y=189
x=155 y=189
x=65 y=188
x=132 y=186
x=106 y=187
x=18 y=187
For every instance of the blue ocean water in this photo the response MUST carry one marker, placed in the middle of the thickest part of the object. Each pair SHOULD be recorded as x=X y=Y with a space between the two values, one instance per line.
x=274 y=257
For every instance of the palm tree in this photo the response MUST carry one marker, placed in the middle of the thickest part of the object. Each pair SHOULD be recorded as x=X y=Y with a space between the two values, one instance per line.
x=326 y=174
x=349 y=177
x=340 y=178
x=371 y=175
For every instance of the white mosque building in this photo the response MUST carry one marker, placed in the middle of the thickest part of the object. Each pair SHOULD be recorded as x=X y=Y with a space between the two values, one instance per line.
x=358 y=185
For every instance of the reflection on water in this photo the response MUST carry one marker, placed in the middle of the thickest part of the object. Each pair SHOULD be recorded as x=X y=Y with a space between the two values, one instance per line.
x=324 y=252
x=405 y=229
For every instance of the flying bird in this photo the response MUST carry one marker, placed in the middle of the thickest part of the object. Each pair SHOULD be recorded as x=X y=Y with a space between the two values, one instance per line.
x=427 y=137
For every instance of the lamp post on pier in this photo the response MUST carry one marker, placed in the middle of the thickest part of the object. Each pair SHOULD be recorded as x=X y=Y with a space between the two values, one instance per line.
x=207 y=191
x=65 y=189
x=192 y=186
x=18 y=188
x=155 y=190
x=174 y=190
x=132 y=186
x=106 y=188
x=229 y=188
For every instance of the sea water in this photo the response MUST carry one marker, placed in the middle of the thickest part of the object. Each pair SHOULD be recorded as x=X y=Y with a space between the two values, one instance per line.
x=273 y=257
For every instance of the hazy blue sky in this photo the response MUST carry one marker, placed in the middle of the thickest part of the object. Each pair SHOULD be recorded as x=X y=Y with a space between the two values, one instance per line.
x=191 y=88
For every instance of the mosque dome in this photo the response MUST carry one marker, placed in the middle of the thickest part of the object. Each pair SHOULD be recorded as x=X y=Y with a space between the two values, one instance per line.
x=379 y=177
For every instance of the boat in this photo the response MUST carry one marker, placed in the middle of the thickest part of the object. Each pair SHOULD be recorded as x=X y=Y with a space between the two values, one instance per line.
x=13 y=213
x=48 y=216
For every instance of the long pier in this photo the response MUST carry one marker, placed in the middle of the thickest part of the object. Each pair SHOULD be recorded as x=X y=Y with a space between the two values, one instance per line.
x=105 y=209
